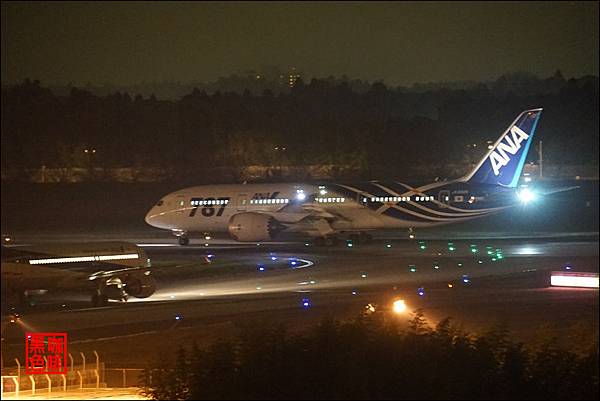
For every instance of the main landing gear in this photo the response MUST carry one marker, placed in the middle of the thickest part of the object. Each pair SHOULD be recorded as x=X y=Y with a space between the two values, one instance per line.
x=356 y=238
x=99 y=299
x=182 y=237
x=326 y=241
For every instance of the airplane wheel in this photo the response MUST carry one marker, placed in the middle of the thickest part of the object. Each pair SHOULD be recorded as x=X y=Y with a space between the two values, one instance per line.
x=365 y=238
x=184 y=241
x=355 y=238
x=331 y=241
x=99 y=300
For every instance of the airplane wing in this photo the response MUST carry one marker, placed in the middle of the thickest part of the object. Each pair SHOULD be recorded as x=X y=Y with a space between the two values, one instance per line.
x=557 y=190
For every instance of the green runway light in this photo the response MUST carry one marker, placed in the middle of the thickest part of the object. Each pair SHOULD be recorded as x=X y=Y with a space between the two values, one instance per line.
x=494 y=259
x=459 y=264
x=480 y=261
x=388 y=245
x=413 y=268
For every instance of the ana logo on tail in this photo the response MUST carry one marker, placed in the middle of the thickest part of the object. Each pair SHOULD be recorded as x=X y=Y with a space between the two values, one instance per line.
x=512 y=143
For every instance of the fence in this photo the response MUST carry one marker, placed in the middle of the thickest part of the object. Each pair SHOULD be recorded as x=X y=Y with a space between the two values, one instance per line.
x=83 y=375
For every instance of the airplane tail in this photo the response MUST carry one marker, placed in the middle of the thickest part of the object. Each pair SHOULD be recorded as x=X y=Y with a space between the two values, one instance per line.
x=503 y=164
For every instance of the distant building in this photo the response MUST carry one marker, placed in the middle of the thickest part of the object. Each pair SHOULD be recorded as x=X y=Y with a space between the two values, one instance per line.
x=293 y=76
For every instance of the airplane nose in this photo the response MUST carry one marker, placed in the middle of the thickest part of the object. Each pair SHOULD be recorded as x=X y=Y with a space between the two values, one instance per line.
x=150 y=217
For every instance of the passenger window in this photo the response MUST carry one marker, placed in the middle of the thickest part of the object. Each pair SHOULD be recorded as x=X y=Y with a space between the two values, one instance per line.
x=160 y=203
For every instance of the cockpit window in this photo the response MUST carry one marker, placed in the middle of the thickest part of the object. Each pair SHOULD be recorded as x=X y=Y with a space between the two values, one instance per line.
x=160 y=203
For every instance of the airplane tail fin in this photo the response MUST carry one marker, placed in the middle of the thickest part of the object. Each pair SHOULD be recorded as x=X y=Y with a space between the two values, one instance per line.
x=503 y=164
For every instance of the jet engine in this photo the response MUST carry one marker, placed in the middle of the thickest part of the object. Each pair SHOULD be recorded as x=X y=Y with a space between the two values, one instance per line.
x=252 y=227
x=139 y=285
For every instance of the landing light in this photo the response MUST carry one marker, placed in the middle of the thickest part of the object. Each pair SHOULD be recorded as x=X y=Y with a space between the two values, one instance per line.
x=525 y=195
x=177 y=317
x=306 y=303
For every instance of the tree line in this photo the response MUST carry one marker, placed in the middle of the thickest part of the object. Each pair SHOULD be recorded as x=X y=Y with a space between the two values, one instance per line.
x=374 y=358
x=370 y=128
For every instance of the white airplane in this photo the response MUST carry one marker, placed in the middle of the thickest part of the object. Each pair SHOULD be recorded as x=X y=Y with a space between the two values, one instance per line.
x=259 y=212
x=107 y=270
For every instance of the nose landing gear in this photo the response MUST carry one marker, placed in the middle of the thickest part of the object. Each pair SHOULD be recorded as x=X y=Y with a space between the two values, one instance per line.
x=182 y=237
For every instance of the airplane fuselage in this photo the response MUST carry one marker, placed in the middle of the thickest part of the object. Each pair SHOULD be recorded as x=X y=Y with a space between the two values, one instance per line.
x=352 y=207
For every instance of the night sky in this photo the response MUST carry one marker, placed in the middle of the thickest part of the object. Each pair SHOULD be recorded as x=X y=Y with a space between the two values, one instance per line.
x=401 y=43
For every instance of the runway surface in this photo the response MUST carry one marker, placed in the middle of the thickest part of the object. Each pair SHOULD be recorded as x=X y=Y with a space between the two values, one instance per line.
x=480 y=282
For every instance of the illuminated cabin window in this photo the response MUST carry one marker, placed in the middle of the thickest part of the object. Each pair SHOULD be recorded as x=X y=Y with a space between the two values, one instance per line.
x=209 y=202
x=276 y=201
x=83 y=259
x=330 y=200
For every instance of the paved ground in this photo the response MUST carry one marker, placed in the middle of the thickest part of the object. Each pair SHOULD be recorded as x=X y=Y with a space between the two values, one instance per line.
x=196 y=301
